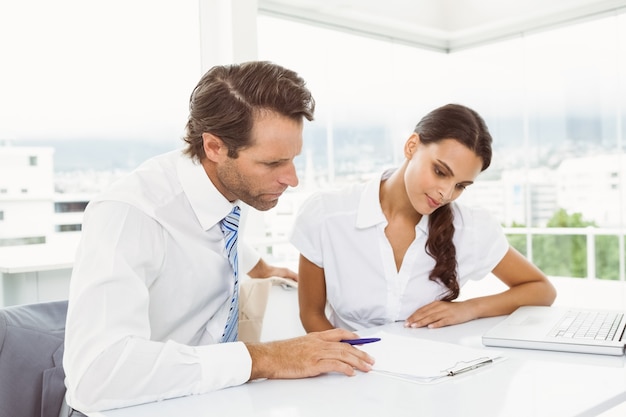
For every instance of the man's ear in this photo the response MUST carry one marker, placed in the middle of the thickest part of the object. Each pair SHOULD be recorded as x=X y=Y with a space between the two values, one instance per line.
x=214 y=148
x=410 y=147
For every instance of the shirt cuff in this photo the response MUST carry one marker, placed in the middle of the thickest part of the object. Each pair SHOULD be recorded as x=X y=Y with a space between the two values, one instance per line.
x=224 y=365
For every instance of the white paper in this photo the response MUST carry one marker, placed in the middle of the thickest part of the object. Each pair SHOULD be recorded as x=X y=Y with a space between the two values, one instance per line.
x=422 y=360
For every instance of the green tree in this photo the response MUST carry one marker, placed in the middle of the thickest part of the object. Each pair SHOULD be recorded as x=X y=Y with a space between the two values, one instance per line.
x=607 y=257
x=518 y=241
x=562 y=255
x=566 y=255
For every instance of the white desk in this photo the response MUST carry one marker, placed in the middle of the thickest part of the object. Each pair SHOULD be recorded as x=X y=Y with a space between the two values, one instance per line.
x=36 y=273
x=529 y=383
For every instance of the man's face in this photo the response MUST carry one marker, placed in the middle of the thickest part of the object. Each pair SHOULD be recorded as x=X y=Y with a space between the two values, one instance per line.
x=263 y=171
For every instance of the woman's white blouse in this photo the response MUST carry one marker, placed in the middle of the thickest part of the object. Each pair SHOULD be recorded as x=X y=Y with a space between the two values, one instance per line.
x=343 y=232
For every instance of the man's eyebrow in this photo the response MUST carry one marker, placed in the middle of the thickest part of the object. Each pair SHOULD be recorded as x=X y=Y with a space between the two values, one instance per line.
x=274 y=161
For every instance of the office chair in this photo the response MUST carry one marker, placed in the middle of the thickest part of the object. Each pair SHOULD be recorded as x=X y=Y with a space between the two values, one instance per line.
x=31 y=359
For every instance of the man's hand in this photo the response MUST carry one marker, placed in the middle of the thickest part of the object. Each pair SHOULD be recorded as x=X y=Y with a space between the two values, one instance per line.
x=306 y=356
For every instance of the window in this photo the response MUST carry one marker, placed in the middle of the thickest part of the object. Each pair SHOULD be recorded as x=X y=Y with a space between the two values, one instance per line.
x=91 y=71
x=544 y=105
x=70 y=207
x=81 y=49
x=558 y=121
x=555 y=102
x=32 y=240
x=68 y=228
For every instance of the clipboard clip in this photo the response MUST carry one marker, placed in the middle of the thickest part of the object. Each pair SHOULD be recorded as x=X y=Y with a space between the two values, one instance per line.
x=466 y=366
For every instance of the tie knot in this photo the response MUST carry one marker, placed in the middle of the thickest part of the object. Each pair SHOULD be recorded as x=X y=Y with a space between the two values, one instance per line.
x=230 y=223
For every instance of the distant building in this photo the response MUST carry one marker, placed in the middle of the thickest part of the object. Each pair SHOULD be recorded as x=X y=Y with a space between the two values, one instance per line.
x=68 y=212
x=587 y=185
x=591 y=186
x=31 y=212
x=531 y=196
x=520 y=197
x=37 y=206
x=26 y=194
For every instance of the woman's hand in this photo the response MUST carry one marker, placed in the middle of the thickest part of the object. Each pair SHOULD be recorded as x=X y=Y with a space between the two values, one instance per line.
x=440 y=314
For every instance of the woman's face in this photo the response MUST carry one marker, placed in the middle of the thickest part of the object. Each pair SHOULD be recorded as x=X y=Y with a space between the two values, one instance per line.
x=437 y=173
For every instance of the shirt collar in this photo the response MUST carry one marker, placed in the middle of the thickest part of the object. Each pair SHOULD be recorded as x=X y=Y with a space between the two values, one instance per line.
x=369 y=212
x=208 y=204
x=423 y=224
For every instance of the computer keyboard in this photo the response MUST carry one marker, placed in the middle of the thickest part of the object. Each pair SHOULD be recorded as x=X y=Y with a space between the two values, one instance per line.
x=591 y=325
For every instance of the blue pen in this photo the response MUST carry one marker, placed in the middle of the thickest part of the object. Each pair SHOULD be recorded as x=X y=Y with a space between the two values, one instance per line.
x=360 y=341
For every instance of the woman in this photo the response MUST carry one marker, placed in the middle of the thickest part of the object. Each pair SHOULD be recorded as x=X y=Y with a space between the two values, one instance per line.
x=399 y=248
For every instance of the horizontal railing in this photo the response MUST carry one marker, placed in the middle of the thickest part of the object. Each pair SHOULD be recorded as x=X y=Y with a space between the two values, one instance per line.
x=590 y=235
x=279 y=250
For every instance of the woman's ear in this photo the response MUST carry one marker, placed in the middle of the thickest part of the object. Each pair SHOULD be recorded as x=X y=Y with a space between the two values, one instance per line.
x=410 y=147
x=214 y=148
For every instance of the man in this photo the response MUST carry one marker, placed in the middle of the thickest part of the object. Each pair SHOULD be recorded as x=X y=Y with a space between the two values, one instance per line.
x=153 y=290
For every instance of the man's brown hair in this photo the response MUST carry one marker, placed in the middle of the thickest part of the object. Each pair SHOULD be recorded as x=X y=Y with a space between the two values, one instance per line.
x=227 y=98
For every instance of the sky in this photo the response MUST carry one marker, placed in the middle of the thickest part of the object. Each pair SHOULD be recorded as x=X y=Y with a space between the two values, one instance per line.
x=135 y=62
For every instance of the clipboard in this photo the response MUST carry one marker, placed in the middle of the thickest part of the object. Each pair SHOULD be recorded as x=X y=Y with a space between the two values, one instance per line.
x=425 y=361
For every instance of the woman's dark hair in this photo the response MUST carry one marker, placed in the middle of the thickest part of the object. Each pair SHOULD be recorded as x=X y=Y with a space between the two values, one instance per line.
x=452 y=121
x=227 y=98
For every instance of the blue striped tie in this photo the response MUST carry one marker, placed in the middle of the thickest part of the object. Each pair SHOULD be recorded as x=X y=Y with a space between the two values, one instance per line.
x=230 y=224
